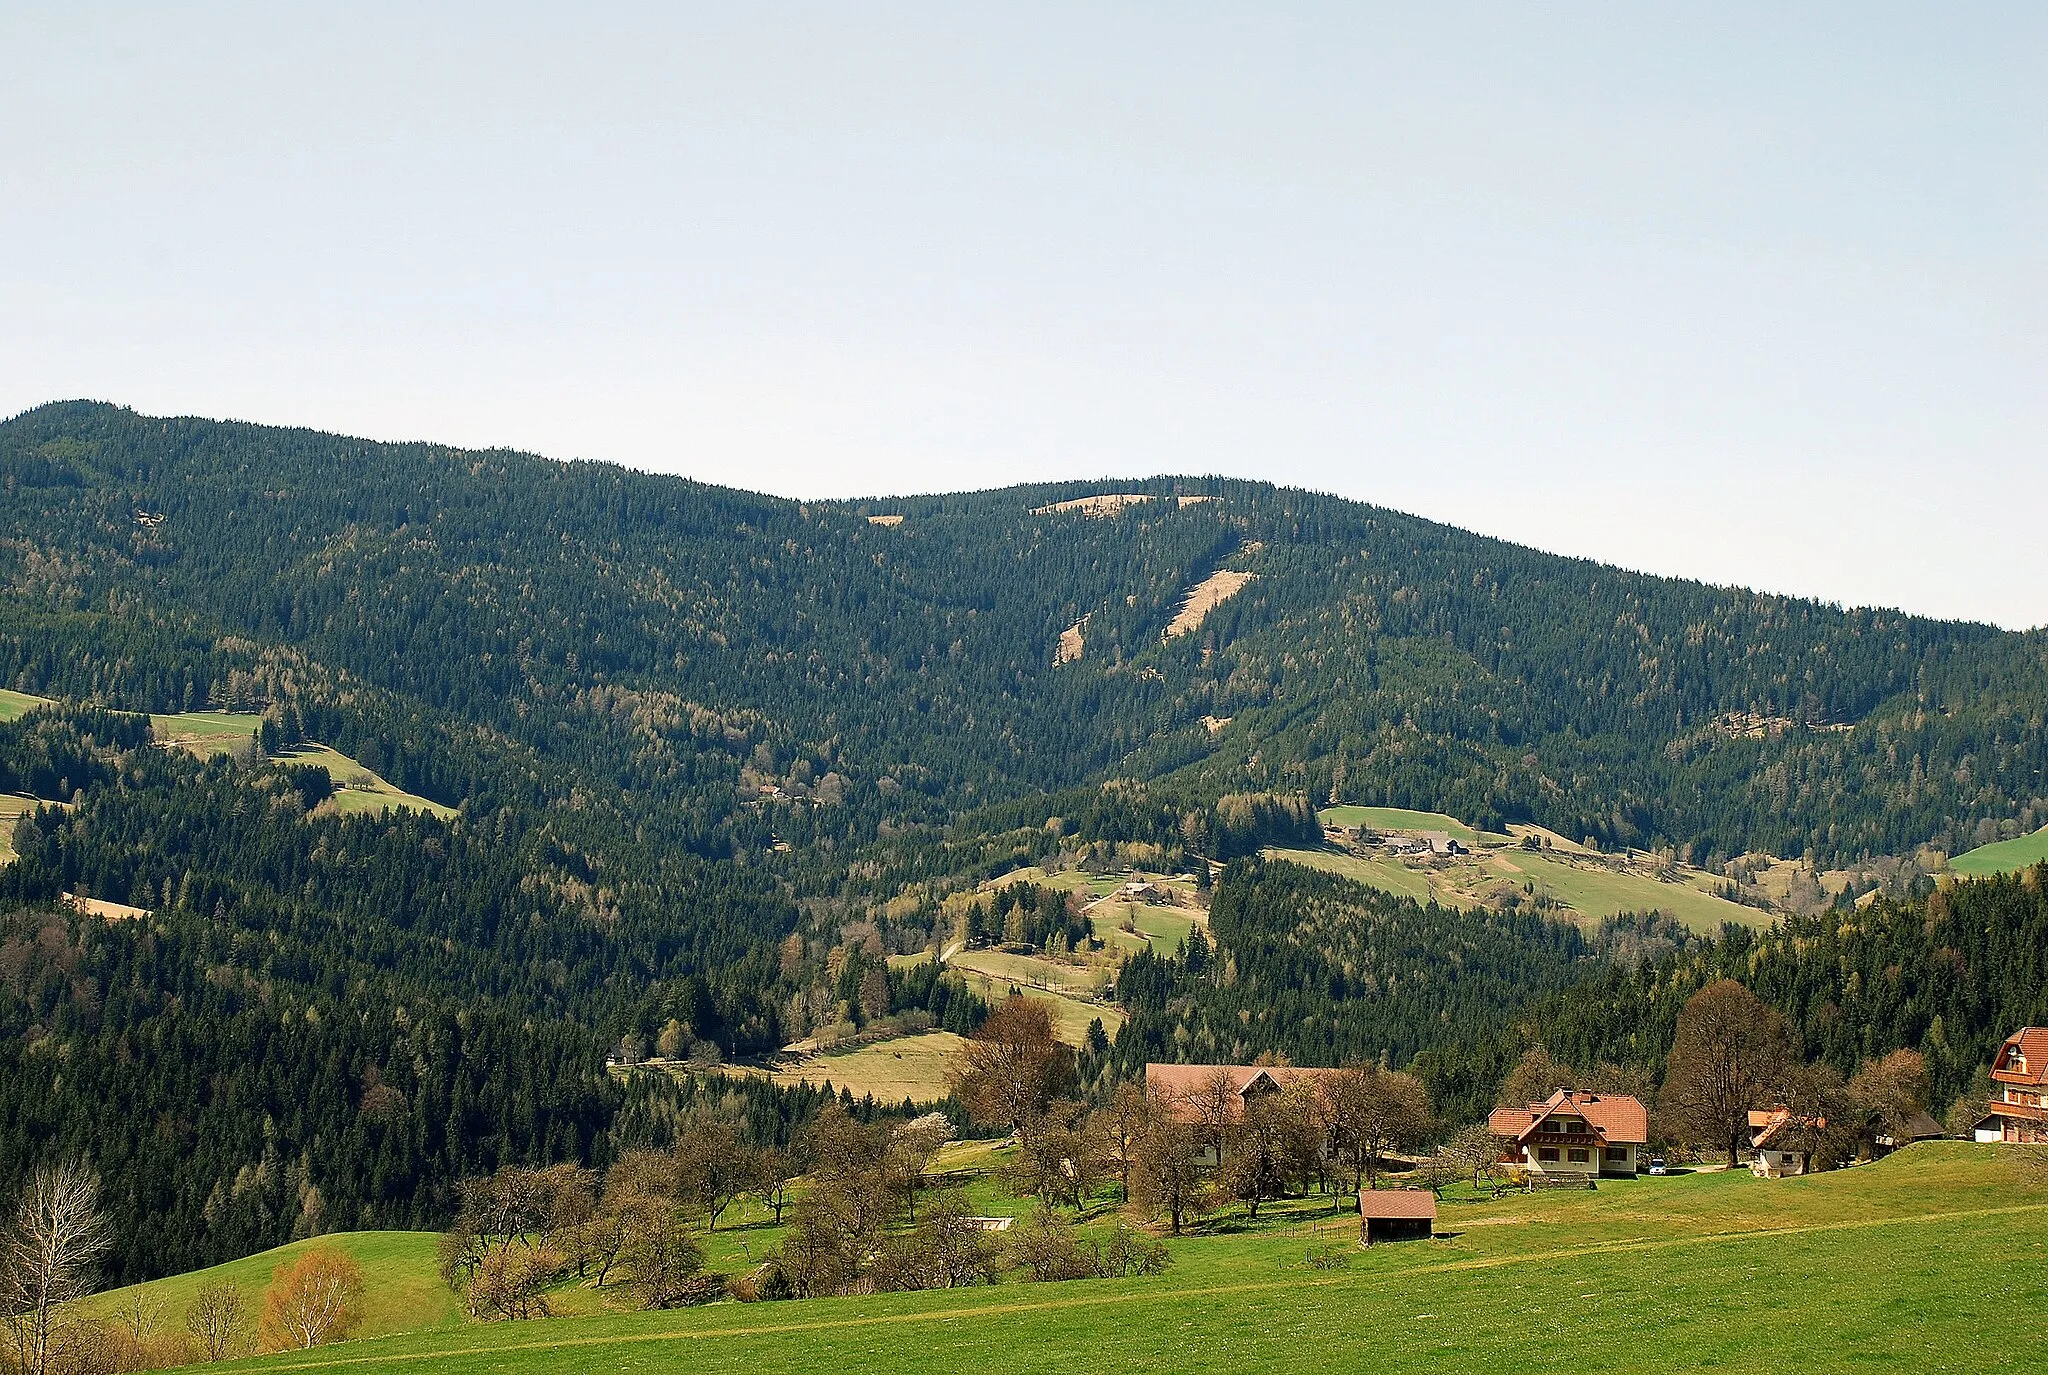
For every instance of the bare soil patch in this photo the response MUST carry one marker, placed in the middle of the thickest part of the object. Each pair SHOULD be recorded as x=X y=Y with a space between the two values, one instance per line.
x=1206 y=595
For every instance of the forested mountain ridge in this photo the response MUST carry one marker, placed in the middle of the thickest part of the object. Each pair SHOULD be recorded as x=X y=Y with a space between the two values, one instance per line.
x=685 y=644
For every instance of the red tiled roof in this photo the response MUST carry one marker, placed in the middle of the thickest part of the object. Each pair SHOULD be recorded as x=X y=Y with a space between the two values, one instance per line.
x=1176 y=1087
x=2031 y=1043
x=1614 y=1117
x=1393 y=1203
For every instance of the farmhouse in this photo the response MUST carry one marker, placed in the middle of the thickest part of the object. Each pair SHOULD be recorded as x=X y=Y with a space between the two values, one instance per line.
x=2019 y=1079
x=1773 y=1138
x=1198 y=1094
x=1575 y=1134
x=1395 y=1215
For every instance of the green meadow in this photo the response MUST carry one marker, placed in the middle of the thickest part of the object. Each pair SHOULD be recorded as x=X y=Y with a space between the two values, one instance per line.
x=2003 y=856
x=1915 y=1263
x=402 y=1289
x=15 y=705
x=1397 y=819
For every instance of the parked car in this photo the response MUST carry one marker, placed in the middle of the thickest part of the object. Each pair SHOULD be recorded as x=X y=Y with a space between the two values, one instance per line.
x=1657 y=1165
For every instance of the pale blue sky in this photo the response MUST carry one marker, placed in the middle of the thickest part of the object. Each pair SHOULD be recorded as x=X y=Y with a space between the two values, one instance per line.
x=1755 y=293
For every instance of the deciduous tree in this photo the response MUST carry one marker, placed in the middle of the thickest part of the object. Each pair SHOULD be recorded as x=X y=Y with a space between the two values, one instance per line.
x=1730 y=1054
x=46 y=1261
x=312 y=1300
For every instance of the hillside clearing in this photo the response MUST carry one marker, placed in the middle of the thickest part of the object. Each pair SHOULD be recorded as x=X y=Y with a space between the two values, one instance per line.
x=1106 y=504
x=2003 y=856
x=1204 y=597
x=1397 y=819
x=207 y=733
x=1073 y=642
x=1588 y=887
x=357 y=789
x=912 y=1067
x=15 y=705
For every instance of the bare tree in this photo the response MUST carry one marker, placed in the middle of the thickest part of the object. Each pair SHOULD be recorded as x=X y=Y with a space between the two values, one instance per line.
x=1166 y=1174
x=1119 y=1125
x=58 y=1233
x=1476 y=1149
x=219 y=1319
x=1891 y=1092
x=1059 y=1161
x=1375 y=1112
x=1729 y=1055
x=1013 y=1066
x=912 y=1147
x=714 y=1165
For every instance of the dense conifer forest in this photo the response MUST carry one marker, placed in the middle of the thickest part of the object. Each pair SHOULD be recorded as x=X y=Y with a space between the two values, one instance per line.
x=713 y=758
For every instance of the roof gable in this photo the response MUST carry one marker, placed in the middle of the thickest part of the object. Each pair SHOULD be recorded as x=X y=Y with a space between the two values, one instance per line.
x=2023 y=1059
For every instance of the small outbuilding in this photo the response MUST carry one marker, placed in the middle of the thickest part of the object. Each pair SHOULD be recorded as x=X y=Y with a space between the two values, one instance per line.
x=1395 y=1215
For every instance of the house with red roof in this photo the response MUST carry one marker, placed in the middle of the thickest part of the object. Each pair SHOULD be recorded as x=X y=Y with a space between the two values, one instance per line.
x=1778 y=1151
x=1573 y=1133
x=2019 y=1084
x=1196 y=1094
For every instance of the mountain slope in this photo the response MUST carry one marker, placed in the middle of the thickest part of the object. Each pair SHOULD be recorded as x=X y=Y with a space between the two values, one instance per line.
x=669 y=636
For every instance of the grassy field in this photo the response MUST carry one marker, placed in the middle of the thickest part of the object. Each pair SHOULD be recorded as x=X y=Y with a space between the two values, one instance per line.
x=1903 y=1265
x=12 y=808
x=1070 y=1016
x=15 y=705
x=1397 y=819
x=356 y=789
x=2004 y=856
x=912 y=1067
x=403 y=1291
x=207 y=732
x=1595 y=891
x=1166 y=927
x=1057 y=976
x=1588 y=886
x=1387 y=875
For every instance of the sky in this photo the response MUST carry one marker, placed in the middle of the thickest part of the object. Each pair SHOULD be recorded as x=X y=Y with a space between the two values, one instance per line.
x=1750 y=293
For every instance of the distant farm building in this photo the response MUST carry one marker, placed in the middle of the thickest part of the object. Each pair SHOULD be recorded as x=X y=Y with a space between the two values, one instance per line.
x=2019 y=1078
x=1774 y=1139
x=1196 y=1093
x=1395 y=1215
x=1573 y=1134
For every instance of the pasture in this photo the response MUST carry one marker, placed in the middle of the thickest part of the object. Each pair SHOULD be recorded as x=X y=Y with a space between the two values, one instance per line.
x=2003 y=856
x=912 y=1067
x=1590 y=886
x=1070 y=1016
x=402 y=1288
x=1398 y=819
x=356 y=789
x=1905 y=1264
x=207 y=732
x=15 y=705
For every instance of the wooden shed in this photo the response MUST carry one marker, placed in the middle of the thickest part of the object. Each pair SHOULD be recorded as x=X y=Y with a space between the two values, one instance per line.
x=1395 y=1215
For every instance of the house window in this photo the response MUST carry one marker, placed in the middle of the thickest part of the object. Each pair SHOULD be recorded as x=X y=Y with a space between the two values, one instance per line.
x=1578 y=1157
x=1547 y=1153
x=1553 y=1125
x=1617 y=1152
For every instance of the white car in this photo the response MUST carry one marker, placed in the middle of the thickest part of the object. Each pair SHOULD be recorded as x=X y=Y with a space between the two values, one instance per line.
x=1657 y=1165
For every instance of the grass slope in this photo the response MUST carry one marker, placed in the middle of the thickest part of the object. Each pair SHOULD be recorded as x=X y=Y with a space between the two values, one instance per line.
x=403 y=1291
x=2003 y=856
x=1396 y=819
x=1588 y=886
x=15 y=705
x=912 y=1067
x=1905 y=1264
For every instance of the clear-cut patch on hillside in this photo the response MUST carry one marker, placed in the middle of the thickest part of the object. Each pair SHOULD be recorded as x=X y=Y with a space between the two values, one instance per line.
x=1109 y=503
x=1204 y=597
x=1071 y=643
x=885 y=520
